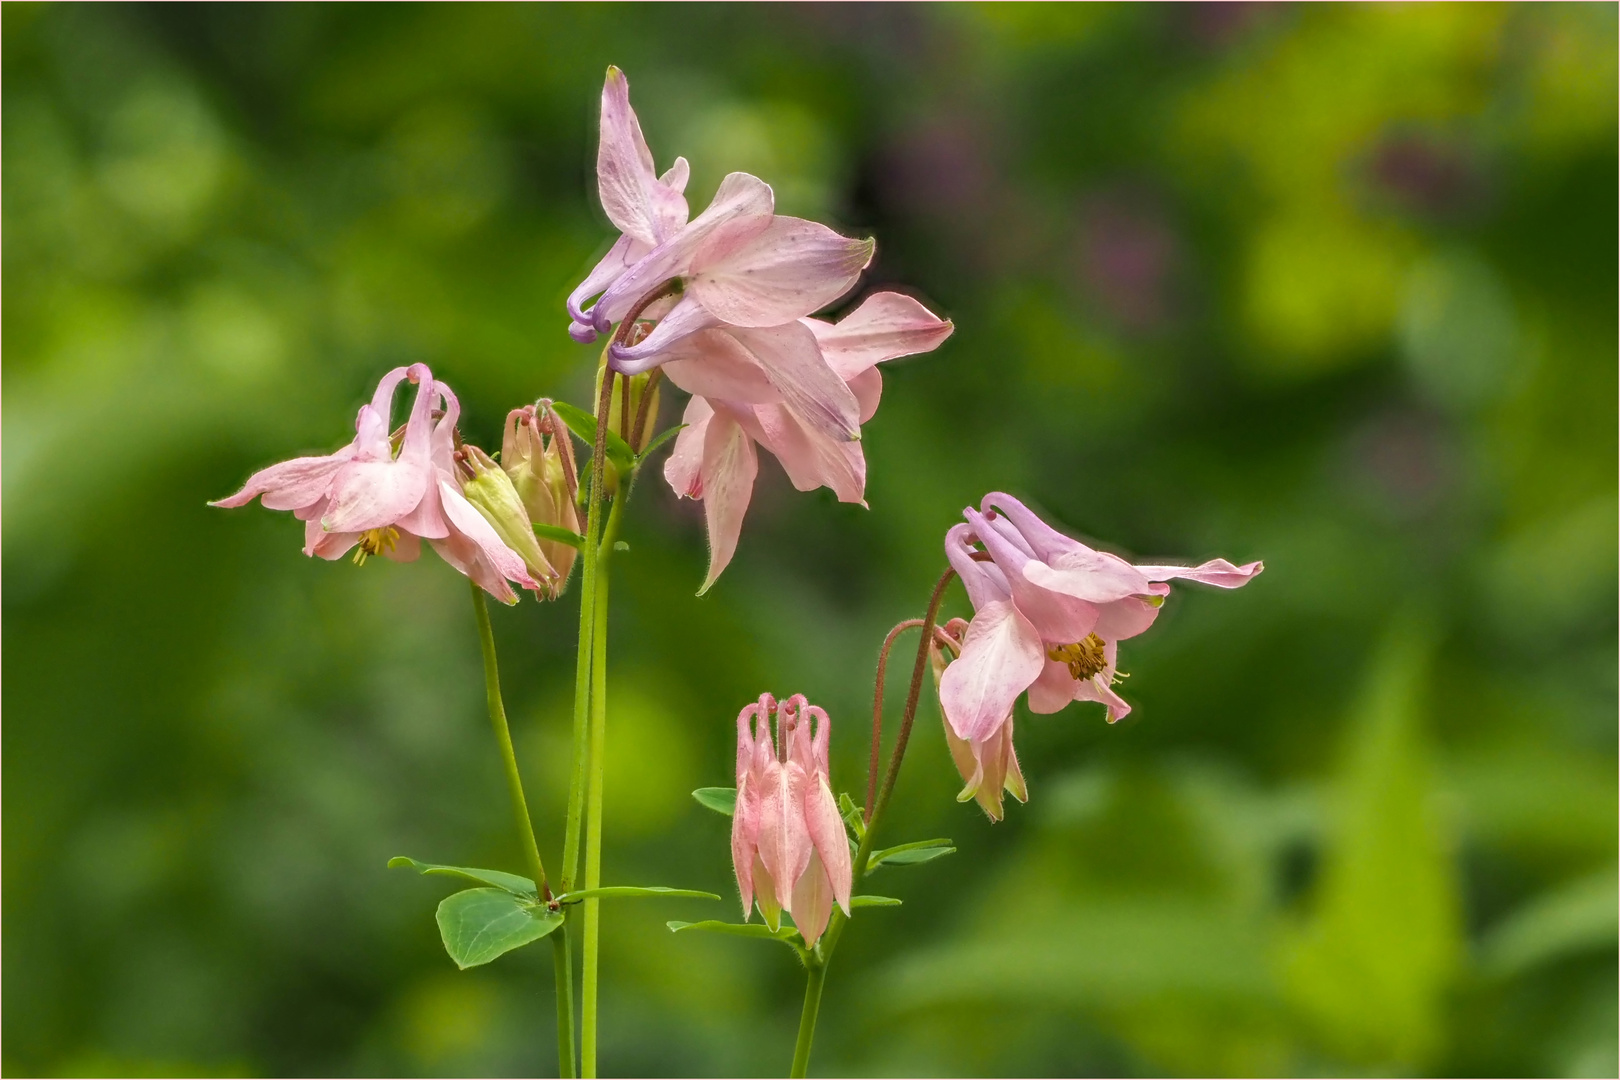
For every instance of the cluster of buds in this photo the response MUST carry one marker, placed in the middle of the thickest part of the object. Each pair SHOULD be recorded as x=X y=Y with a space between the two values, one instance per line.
x=788 y=843
x=534 y=483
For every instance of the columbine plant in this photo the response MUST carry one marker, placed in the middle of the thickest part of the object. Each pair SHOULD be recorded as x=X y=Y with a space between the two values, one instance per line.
x=723 y=305
x=1048 y=615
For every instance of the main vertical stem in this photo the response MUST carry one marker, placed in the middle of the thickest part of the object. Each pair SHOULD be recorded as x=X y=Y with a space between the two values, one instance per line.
x=807 y=1020
x=592 y=924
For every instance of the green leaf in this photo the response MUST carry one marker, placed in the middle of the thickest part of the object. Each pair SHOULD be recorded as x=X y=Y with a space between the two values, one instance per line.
x=872 y=901
x=1573 y=918
x=632 y=890
x=722 y=800
x=852 y=815
x=560 y=535
x=658 y=440
x=918 y=851
x=583 y=424
x=480 y=924
x=512 y=883
x=750 y=930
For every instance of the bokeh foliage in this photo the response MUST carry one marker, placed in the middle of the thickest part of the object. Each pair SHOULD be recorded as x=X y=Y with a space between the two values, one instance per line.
x=1332 y=286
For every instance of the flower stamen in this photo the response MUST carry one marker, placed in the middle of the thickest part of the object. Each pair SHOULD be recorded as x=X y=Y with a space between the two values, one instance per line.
x=375 y=542
x=1084 y=658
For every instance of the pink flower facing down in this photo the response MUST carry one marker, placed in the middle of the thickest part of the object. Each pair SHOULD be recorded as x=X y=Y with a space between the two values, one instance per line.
x=788 y=843
x=735 y=405
x=1049 y=613
x=370 y=497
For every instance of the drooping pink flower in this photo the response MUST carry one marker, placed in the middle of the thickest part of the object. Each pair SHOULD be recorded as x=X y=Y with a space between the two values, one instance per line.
x=737 y=403
x=1049 y=613
x=370 y=497
x=788 y=843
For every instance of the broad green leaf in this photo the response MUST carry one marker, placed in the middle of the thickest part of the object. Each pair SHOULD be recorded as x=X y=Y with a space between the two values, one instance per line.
x=1577 y=917
x=583 y=424
x=480 y=924
x=918 y=851
x=658 y=440
x=631 y=890
x=722 y=800
x=512 y=883
x=872 y=901
x=560 y=535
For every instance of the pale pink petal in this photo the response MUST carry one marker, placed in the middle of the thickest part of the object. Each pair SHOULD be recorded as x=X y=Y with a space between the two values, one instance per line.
x=1053 y=691
x=684 y=466
x=868 y=390
x=407 y=548
x=1001 y=657
x=714 y=364
x=810 y=458
x=290 y=485
x=1217 y=572
x=790 y=359
x=826 y=828
x=1056 y=616
x=885 y=326
x=983 y=582
x=784 y=842
x=474 y=548
x=675 y=177
x=729 y=467
x=631 y=193
x=788 y=270
x=1093 y=689
x=742 y=207
x=374 y=494
x=1125 y=618
x=1013 y=782
x=812 y=901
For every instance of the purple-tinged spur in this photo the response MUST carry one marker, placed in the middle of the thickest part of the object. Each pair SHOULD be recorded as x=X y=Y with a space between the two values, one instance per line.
x=1049 y=614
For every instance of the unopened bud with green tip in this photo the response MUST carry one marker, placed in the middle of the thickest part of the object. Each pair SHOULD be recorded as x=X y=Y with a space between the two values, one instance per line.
x=538 y=456
x=492 y=493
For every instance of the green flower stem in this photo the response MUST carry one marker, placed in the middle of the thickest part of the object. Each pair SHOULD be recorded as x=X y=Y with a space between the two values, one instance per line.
x=503 y=737
x=807 y=1019
x=821 y=956
x=520 y=811
x=593 y=818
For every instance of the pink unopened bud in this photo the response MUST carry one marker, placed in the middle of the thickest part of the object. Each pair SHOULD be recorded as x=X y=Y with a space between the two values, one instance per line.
x=788 y=843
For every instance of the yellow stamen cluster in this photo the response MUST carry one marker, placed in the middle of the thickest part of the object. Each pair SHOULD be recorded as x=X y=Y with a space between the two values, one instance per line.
x=1084 y=658
x=375 y=542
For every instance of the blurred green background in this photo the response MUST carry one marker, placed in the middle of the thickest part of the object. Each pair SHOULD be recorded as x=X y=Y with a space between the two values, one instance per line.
x=1331 y=286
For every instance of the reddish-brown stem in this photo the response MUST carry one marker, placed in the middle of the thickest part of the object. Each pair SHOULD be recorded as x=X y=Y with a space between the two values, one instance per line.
x=877 y=707
x=882 y=797
x=642 y=407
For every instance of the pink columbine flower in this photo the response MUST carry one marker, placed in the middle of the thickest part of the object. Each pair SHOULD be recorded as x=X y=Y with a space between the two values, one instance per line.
x=1049 y=613
x=738 y=264
x=370 y=497
x=736 y=404
x=788 y=843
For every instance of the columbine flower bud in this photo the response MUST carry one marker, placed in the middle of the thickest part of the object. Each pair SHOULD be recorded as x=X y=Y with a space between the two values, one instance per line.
x=490 y=490
x=538 y=455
